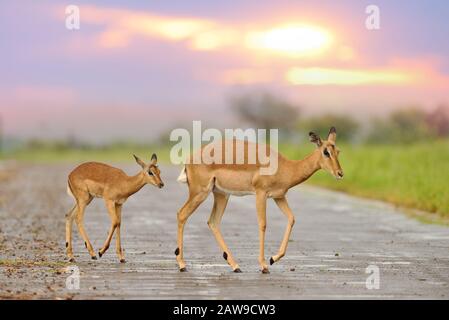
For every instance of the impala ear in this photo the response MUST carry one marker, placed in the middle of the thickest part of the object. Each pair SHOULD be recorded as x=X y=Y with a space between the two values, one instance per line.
x=314 y=138
x=154 y=159
x=332 y=135
x=139 y=162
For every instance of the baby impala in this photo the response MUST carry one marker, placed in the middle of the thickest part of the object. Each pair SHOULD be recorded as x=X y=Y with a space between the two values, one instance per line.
x=97 y=180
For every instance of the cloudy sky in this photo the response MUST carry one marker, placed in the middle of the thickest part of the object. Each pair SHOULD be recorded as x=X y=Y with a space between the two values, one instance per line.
x=135 y=68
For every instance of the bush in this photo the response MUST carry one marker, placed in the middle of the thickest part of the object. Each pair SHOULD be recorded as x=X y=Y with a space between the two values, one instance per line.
x=347 y=127
x=438 y=121
x=402 y=126
x=265 y=111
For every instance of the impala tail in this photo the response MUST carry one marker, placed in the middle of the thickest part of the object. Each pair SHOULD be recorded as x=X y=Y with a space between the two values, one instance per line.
x=183 y=175
x=69 y=190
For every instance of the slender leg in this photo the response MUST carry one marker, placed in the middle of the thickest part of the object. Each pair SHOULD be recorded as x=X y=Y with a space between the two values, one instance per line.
x=68 y=232
x=283 y=205
x=118 y=244
x=220 y=202
x=114 y=222
x=183 y=214
x=261 y=205
x=80 y=222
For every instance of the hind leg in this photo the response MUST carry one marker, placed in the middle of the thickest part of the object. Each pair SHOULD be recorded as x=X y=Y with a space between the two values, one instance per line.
x=79 y=218
x=195 y=199
x=220 y=202
x=118 y=243
x=112 y=210
x=68 y=233
x=261 y=205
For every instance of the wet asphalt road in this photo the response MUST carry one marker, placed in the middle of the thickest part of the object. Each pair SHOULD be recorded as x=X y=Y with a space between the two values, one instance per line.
x=335 y=239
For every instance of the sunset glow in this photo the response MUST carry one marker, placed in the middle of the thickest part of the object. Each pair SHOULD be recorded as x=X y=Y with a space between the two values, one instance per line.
x=173 y=58
x=291 y=40
x=323 y=76
x=215 y=39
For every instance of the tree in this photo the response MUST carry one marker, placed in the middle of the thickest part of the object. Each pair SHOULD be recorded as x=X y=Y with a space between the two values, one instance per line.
x=265 y=111
x=402 y=126
x=347 y=127
x=438 y=121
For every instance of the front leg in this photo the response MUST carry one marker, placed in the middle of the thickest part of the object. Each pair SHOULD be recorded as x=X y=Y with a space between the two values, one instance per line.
x=283 y=205
x=261 y=205
x=114 y=222
x=118 y=243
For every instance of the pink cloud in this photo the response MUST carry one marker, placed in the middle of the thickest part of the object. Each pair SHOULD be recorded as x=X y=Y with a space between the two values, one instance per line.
x=24 y=106
x=47 y=111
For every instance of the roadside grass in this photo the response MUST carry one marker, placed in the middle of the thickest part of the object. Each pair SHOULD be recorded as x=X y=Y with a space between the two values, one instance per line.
x=106 y=154
x=21 y=263
x=413 y=176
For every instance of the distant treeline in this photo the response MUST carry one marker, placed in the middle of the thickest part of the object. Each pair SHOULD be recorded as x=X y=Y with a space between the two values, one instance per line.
x=401 y=126
x=72 y=143
x=404 y=125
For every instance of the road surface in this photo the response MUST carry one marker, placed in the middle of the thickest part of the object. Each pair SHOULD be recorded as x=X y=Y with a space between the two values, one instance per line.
x=336 y=238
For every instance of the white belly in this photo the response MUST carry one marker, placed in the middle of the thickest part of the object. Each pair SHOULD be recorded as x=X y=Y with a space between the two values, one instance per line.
x=238 y=193
x=96 y=195
x=122 y=201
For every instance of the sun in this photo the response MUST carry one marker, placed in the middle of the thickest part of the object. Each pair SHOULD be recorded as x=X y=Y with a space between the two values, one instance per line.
x=295 y=40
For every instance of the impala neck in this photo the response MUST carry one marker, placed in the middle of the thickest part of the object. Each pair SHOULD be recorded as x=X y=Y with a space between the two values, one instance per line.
x=305 y=168
x=135 y=183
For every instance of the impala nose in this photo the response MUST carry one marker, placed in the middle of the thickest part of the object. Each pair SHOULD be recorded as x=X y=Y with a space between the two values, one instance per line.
x=340 y=174
x=161 y=185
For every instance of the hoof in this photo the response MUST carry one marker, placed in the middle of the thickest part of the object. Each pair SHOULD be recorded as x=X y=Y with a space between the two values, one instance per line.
x=265 y=271
x=122 y=260
x=71 y=259
x=183 y=270
x=100 y=254
x=271 y=261
x=94 y=257
x=238 y=270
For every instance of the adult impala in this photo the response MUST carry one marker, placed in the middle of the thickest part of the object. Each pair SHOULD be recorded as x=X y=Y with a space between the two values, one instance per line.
x=224 y=180
x=97 y=180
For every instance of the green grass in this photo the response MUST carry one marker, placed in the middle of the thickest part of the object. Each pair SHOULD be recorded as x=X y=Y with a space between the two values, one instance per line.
x=414 y=176
x=108 y=155
x=17 y=263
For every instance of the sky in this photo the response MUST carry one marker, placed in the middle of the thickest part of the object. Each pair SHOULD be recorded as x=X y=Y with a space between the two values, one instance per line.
x=135 y=68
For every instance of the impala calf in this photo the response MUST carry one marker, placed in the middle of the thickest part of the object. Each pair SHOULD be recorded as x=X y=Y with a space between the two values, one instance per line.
x=224 y=180
x=97 y=180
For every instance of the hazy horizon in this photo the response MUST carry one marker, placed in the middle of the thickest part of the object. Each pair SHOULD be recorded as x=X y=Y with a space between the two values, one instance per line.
x=134 y=69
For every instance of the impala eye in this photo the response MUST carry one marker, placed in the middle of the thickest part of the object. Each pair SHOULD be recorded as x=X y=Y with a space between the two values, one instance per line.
x=150 y=173
x=326 y=153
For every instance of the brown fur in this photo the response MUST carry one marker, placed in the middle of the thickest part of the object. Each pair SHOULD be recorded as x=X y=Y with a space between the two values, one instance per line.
x=97 y=180
x=226 y=179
